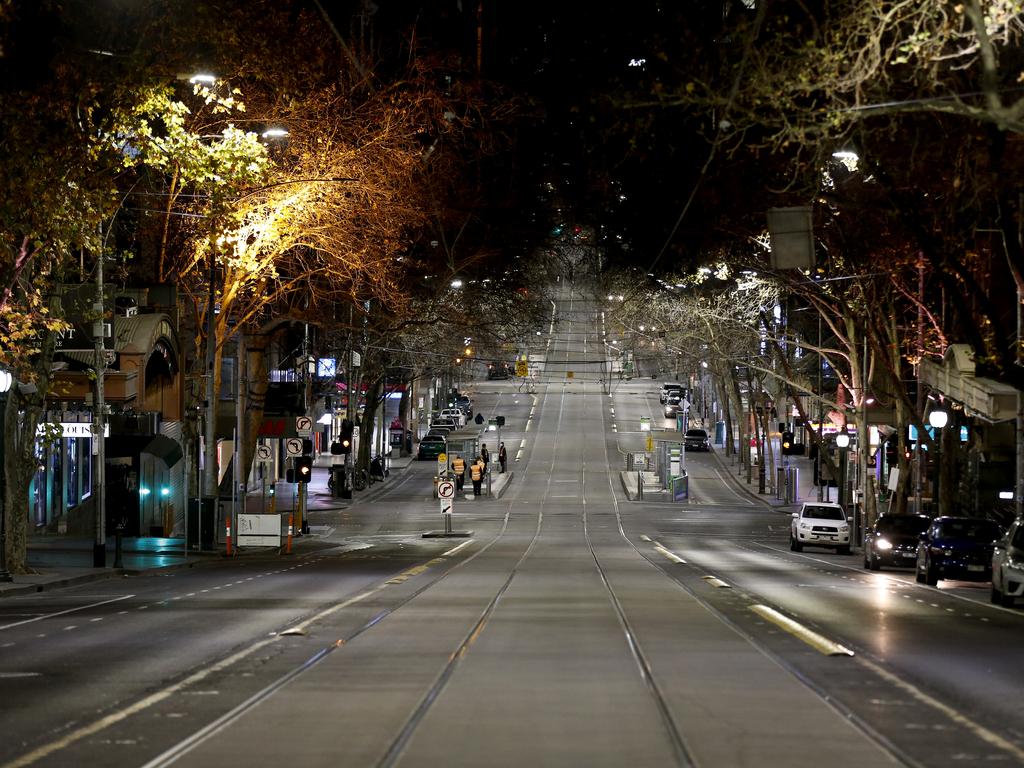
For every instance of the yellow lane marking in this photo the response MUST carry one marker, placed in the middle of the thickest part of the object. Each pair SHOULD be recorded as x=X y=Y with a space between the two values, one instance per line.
x=817 y=642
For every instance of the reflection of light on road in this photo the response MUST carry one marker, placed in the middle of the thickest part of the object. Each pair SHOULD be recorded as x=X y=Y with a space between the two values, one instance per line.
x=881 y=598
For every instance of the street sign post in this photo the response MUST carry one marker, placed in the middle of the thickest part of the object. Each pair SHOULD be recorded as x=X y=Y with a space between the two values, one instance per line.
x=303 y=426
x=446 y=495
x=293 y=446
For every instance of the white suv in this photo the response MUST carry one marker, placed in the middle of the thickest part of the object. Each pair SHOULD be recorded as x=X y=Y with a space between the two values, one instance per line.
x=455 y=414
x=820 y=524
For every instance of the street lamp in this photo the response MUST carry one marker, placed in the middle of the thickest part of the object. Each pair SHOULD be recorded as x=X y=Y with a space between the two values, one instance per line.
x=6 y=380
x=937 y=419
x=843 y=443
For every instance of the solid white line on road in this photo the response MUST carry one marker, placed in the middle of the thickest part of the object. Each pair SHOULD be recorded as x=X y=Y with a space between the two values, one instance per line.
x=979 y=730
x=728 y=486
x=61 y=613
x=818 y=642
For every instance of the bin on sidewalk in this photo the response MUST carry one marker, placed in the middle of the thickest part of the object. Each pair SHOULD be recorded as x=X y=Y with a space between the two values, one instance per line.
x=202 y=517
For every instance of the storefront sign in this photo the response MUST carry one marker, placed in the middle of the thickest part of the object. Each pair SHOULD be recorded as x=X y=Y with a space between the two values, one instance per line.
x=72 y=429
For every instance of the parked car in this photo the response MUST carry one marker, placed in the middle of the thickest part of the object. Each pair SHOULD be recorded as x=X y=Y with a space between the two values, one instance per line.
x=669 y=386
x=1008 y=565
x=431 y=447
x=892 y=541
x=820 y=524
x=696 y=440
x=455 y=414
x=448 y=425
x=957 y=548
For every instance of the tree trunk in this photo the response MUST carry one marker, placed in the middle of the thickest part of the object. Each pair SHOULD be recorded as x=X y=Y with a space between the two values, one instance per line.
x=20 y=458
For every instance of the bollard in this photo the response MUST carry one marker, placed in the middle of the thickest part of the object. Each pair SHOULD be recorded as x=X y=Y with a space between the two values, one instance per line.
x=227 y=527
x=794 y=484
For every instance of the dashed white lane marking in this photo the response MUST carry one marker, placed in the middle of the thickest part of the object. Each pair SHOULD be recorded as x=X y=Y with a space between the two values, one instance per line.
x=69 y=627
x=62 y=613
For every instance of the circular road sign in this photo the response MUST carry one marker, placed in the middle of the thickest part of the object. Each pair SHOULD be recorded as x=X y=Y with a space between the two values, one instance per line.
x=293 y=446
x=446 y=489
x=263 y=453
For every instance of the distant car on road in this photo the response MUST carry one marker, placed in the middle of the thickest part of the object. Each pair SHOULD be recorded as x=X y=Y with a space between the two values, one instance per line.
x=696 y=440
x=672 y=401
x=820 y=524
x=957 y=548
x=669 y=386
x=455 y=414
x=498 y=370
x=1008 y=566
x=431 y=447
x=892 y=541
x=463 y=402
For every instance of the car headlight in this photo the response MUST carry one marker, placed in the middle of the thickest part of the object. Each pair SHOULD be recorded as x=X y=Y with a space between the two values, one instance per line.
x=883 y=544
x=844 y=528
x=805 y=526
x=1015 y=562
x=947 y=552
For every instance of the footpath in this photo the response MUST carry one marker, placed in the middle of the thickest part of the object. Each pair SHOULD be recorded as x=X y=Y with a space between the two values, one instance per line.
x=803 y=472
x=62 y=561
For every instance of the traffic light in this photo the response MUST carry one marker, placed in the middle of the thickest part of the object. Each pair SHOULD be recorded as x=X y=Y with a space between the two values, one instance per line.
x=343 y=445
x=303 y=469
x=787 y=443
x=307 y=446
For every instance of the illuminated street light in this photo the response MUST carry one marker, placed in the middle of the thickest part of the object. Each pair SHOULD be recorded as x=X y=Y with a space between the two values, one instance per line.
x=938 y=418
x=456 y=283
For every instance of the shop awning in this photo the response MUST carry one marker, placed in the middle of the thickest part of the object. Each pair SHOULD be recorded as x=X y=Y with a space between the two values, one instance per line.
x=160 y=446
x=954 y=377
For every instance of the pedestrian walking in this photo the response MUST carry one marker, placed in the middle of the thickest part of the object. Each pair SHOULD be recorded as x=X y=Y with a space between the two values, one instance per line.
x=485 y=456
x=476 y=474
x=502 y=457
x=459 y=468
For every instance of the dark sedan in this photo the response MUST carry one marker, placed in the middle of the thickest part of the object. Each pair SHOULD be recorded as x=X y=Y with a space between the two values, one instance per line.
x=892 y=541
x=697 y=440
x=957 y=548
x=431 y=447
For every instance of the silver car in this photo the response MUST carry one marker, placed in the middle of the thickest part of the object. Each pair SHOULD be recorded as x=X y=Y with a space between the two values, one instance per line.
x=1008 y=566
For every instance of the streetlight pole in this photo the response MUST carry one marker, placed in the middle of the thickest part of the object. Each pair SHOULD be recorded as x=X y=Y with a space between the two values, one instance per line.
x=843 y=443
x=938 y=419
x=6 y=380
x=99 y=548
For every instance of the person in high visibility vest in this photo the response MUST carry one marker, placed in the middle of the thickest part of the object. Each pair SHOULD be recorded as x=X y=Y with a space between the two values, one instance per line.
x=459 y=468
x=476 y=474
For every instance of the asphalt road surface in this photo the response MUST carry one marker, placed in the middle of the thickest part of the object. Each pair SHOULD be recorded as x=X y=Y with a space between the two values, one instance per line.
x=570 y=628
